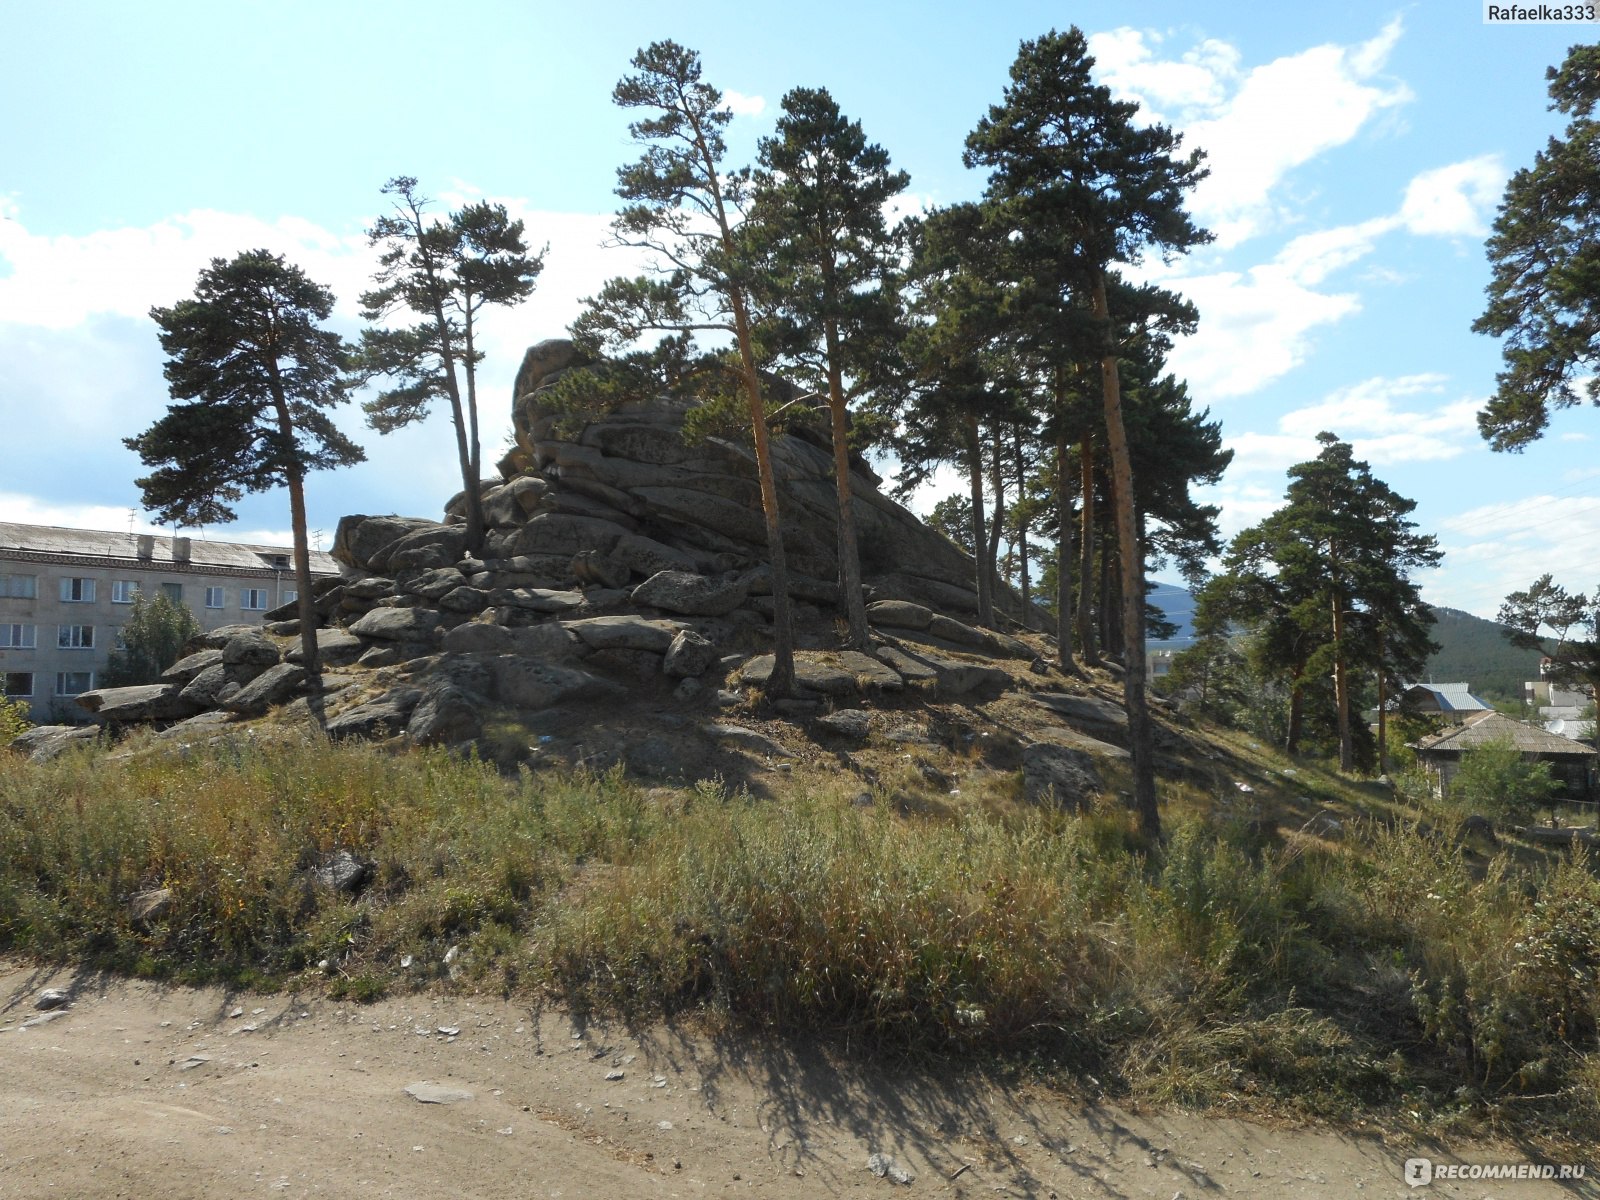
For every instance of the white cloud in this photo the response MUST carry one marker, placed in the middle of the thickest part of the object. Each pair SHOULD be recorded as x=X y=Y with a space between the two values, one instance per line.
x=744 y=106
x=1255 y=326
x=30 y=510
x=1454 y=200
x=1494 y=549
x=1255 y=126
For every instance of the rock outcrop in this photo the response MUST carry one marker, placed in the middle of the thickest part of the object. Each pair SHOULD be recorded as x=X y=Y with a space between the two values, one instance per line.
x=622 y=561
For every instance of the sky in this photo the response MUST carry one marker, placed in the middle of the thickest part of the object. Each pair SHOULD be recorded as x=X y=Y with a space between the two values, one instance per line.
x=1358 y=153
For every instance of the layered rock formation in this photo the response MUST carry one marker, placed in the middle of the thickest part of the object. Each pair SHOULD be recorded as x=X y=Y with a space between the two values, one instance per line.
x=620 y=556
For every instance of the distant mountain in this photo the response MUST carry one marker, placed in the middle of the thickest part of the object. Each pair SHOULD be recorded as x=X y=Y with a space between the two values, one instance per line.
x=1475 y=650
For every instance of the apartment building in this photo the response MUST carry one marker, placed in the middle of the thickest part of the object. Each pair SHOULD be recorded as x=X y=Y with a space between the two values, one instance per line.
x=64 y=594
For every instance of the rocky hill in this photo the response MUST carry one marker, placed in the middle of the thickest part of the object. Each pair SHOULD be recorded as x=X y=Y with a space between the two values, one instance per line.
x=620 y=612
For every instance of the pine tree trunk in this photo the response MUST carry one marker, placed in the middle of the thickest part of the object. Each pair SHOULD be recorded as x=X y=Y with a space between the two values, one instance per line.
x=1022 y=536
x=1341 y=689
x=477 y=525
x=781 y=682
x=1088 y=642
x=1383 y=716
x=294 y=478
x=975 y=479
x=1141 y=741
x=849 y=555
x=996 y=522
x=1291 y=739
x=1064 y=612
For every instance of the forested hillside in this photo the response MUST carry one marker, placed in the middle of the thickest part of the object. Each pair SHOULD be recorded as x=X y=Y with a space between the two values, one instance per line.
x=1474 y=650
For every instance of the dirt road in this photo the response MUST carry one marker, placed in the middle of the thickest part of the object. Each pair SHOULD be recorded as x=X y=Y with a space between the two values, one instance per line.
x=136 y=1090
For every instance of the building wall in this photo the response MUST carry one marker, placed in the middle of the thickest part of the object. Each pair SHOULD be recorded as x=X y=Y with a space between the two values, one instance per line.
x=57 y=665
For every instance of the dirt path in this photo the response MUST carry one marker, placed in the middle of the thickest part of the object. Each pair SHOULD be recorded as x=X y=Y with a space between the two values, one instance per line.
x=135 y=1090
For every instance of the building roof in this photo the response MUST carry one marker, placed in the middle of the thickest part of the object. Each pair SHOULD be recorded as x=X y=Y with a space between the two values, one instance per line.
x=1482 y=728
x=1450 y=697
x=56 y=540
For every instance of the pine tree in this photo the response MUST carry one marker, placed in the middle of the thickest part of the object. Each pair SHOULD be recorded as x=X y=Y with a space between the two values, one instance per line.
x=818 y=229
x=686 y=210
x=1544 y=298
x=1085 y=187
x=1327 y=582
x=259 y=373
x=445 y=273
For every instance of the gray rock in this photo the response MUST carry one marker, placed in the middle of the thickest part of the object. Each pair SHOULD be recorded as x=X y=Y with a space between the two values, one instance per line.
x=899 y=614
x=536 y=600
x=514 y=502
x=746 y=739
x=219 y=637
x=1058 y=775
x=52 y=998
x=953 y=677
x=273 y=686
x=133 y=705
x=624 y=633
x=646 y=556
x=464 y=600
x=693 y=595
x=840 y=673
x=1083 y=710
x=335 y=648
x=149 y=906
x=387 y=715
x=283 y=628
x=688 y=690
x=205 y=688
x=429 y=546
x=252 y=649
x=853 y=723
x=437 y=1093
x=593 y=569
x=447 y=715
x=397 y=625
x=533 y=684
x=883 y=1166
x=688 y=655
x=45 y=742
x=434 y=582
x=359 y=539
x=374 y=587
x=344 y=873
x=188 y=667
x=565 y=534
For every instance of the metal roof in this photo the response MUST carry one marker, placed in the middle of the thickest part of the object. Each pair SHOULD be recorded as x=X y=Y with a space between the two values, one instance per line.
x=1482 y=728
x=1451 y=697
x=94 y=543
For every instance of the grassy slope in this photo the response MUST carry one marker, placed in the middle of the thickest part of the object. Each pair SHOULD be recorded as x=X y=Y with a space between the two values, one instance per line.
x=1263 y=958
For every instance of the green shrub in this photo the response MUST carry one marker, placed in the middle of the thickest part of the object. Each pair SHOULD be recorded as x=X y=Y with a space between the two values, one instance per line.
x=1496 y=781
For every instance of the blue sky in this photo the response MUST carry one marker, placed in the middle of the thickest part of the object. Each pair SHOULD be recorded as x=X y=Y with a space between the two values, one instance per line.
x=1358 y=153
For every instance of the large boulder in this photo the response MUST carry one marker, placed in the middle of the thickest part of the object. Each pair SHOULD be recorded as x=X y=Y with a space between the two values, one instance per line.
x=529 y=683
x=133 y=705
x=397 y=625
x=1059 y=776
x=272 y=687
x=692 y=595
x=359 y=538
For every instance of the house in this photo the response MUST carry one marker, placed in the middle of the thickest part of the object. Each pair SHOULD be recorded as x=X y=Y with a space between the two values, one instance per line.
x=1571 y=762
x=64 y=593
x=1453 y=700
x=1569 y=712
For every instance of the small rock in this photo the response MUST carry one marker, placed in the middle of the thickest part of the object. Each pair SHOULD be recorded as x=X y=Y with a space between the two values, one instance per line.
x=51 y=998
x=434 y=1093
x=614 y=1076
x=883 y=1166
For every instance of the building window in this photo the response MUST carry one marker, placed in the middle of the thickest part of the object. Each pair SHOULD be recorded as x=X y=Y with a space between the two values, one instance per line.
x=19 y=684
x=77 y=591
x=18 y=637
x=213 y=597
x=74 y=683
x=117 y=640
x=19 y=587
x=253 y=599
x=124 y=590
x=75 y=637
x=173 y=592
x=288 y=596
